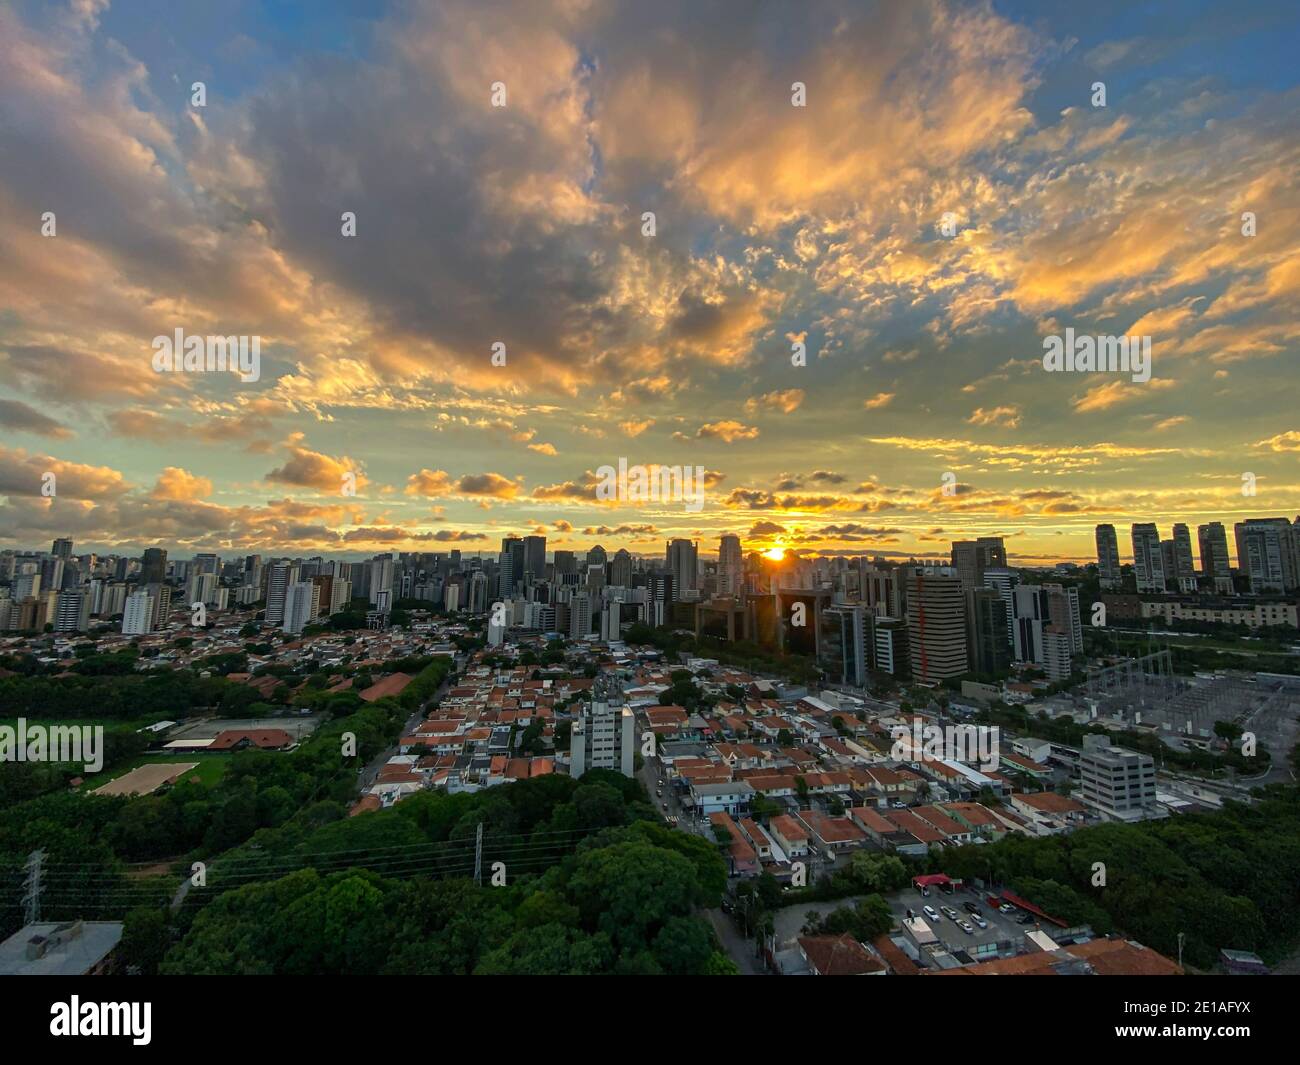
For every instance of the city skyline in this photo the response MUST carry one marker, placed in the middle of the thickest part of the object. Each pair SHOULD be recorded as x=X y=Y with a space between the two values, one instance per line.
x=947 y=194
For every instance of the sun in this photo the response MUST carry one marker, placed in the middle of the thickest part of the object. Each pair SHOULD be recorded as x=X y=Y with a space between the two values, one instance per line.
x=776 y=554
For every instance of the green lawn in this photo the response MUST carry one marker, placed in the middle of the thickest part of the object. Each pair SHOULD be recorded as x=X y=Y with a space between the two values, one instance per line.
x=207 y=772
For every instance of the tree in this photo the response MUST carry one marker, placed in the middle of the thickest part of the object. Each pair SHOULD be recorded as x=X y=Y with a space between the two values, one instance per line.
x=146 y=937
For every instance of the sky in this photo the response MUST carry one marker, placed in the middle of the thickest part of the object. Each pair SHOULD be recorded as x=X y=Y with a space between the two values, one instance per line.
x=950 y=193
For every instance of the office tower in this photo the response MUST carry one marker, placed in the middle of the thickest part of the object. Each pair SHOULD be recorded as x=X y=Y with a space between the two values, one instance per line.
x=137 y=620
x=683 y=563
x=970 y=558
x=511 y=573
x=597 y=557
x=845 y=648
x=73 y=612
x=1184 y=567
x=1057 y=658
x=1031 y=615
x=1213 y=541
x=62 y=548
x=890 y=646
x=1118 y=783
x=731 y=566
x=1108 y=557
x=279 y=577
x=1148 y=560
x=566 y=564
x=381 y=578
x=936 y=623
x=601 y=738
x=986 y=631
x=884 y=592
x=1063 y=611
x=1266 y=553
x=153 y=566
x=207 y=563
x=660 y=605
x=620 y=569
x=1004 y=582
x=534 y=558
x=301 y=605
x=478 y=592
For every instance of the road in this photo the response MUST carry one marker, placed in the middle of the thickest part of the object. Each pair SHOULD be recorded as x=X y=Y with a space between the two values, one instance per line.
x=366 y=775
x=739 y=949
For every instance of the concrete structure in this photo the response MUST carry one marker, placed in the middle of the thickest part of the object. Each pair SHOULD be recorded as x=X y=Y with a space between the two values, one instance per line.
x=1115 y=782
x=602 y=738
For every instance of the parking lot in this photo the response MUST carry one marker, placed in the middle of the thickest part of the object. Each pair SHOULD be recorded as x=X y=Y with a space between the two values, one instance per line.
x=1002 y=928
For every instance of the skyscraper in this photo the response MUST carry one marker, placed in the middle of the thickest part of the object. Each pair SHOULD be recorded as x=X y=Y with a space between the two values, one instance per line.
x=620 y=569
x=153 y=566
x=1213 y=541
x=1108 y=557
x=682 y=560
x=301 y=605
x=970 y=558
x=1184 y=566
x=986 y=631
x=534 y=558
x=137 y=620
x=1148 y=560
x=1032 y=615
x=62 y=548
x=936 y=623
x=731 y=565
x=279 y=576
x=1267 y=554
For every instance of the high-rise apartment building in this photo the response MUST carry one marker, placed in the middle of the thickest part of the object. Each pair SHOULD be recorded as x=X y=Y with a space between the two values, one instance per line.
x=1184 y=566
x=602 y=738
x=1213 y=541
x=1267 y=554
x=137 y=620
x=1148 y=558
x=62 y=548
x=1108 y=557
x=280 y=576
x=302 y=603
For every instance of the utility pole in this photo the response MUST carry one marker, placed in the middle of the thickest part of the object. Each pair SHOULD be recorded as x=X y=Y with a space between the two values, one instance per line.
x=1181 y=937
x=478 y=855
x=32 y=888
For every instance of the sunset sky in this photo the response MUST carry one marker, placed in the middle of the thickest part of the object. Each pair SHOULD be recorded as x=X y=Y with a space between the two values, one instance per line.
x=522 y=225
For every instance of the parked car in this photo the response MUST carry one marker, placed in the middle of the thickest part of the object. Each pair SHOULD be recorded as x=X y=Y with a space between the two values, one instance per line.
x=894 y=804
x=931 y=913
x=949 y=913
x=925 y=891
x=966 y=928
x=946 y=887
x=1006 y=907
x=972 y=907
x=979 y=921
x=1025 y=918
